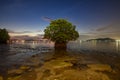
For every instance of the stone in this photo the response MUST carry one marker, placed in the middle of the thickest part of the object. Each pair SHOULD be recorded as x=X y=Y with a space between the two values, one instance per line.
x=62 y=69
x=83 y=75
x=50 y=68
x=15 y=71
x=15 y=78
x=1 y=78
x=56 y=64
x=77 y=75
x=100 y=67
x=24 y=67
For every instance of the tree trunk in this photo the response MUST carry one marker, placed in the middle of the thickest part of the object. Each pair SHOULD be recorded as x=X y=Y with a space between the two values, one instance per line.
x=60 y=46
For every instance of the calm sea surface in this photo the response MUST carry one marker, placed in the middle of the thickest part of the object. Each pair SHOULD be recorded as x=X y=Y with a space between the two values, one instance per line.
x=108 y=47
x=14 y=53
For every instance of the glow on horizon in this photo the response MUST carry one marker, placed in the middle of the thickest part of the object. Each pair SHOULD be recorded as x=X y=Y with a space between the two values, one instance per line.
x=28 y=34
x=117 y=40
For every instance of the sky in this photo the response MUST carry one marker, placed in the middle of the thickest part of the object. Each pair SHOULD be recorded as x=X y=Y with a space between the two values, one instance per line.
x=93 y=18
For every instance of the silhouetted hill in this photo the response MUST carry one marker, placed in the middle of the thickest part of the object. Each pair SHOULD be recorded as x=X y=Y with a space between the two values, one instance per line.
x=102 y=39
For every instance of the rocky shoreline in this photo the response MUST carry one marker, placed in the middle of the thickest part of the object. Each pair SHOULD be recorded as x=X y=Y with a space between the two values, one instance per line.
x=76 y=66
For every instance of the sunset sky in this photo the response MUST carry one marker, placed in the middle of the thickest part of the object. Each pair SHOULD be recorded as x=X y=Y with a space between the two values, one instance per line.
x=93 y=18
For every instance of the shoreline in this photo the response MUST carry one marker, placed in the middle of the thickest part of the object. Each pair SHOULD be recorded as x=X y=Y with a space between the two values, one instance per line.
x=52 y=67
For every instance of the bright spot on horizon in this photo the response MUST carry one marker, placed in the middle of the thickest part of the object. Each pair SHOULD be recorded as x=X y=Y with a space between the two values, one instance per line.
x=24 y=34
x=117 y=40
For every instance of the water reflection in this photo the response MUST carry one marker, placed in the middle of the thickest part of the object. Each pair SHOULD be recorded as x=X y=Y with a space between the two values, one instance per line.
x=118 y=45
x=4 y=50
x=15 y=55
x=108 y=47
x=33 y=53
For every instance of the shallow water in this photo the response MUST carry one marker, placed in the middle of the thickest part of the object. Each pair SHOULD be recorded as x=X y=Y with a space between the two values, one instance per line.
x=35 y=57
x=108 y=47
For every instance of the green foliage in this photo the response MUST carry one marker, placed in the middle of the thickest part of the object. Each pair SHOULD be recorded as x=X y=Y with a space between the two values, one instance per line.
x=4 y=36
x=61 y=31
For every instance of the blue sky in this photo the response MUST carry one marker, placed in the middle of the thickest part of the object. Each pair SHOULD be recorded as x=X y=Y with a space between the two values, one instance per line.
x=93 y=18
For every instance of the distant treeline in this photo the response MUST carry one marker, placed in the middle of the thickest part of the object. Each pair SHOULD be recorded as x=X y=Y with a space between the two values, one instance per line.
x=102 y=39
x=4 y=36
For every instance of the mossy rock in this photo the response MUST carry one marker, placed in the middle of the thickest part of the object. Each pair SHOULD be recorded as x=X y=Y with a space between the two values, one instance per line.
x=15 y=78
x=15 y=71
x=1 y=78
x=78 y=75
x=100 y=67
x=24 y=67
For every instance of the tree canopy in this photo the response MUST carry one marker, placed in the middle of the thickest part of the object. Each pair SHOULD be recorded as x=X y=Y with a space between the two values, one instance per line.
x=61 y=31
x=4 y=36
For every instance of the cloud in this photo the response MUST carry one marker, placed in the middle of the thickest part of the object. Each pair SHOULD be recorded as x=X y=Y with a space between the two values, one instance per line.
x=22 y=32
x=10 y=31
x=112 y=27
x=112 y=31
x=47 y=19
x=27 y=37
x=39 y=31
x=103 y=28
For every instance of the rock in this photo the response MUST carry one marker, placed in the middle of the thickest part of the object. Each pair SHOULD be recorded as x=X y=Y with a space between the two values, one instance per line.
x=26 y=76
x=15 y=71
x=100 y=67
x=77 y=75
x=59 y=64
x=24 y=67
x=33 y=61
x=1 y=78
x=33 y=56
x=83 y=75
x=15 y=78
x=62 y=69
x=50 y=68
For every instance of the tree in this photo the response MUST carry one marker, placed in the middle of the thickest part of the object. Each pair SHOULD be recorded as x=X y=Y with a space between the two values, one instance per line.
x=4 y=36
x=61 y=32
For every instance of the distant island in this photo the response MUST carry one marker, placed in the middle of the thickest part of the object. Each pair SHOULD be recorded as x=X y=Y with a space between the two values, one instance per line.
x=102 y=40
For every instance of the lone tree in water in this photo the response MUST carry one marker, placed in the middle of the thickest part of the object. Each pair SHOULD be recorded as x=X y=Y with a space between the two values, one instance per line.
x=61 y=32
x=4 y=36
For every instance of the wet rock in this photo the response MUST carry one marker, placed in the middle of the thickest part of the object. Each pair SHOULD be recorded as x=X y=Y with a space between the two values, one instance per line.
x=83 y=75
x=34 y=61
x=46 y=73
x=19 y=71
x=62 y=69
x=80 y=66
x=56 y=64
x=50 y=68
x=26 y=76
x=100 y=67
x=77 y=75
x=33 y=55
x=15 y=78
x=15 y=72
x=24 y=67
x=1 y=78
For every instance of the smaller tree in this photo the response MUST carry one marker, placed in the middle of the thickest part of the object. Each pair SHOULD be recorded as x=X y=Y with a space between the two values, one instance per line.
x=61 y=32
x=4 y=36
